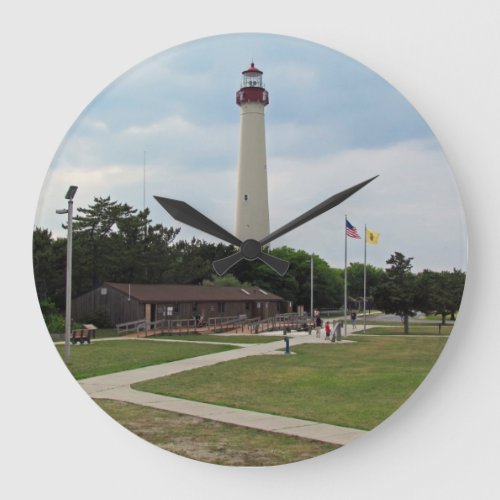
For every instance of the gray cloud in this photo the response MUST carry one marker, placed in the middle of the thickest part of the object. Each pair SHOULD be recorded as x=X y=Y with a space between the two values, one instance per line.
x=330 y=124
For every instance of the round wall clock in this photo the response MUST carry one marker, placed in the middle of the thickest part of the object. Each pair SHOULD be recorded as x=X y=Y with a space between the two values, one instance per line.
x=250 y=250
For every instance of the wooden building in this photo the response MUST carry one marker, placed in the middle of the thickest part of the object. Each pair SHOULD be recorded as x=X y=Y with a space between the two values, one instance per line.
x=123 y=302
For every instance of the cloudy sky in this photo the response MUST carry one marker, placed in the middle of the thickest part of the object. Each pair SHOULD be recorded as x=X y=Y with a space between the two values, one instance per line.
x=331 y=123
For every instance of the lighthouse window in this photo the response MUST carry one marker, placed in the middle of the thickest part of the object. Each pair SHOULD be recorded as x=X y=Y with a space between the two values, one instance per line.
x=252 y=81
x=246 y=197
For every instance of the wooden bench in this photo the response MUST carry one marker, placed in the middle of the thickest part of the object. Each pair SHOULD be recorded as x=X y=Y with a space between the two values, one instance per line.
x=82 y=335
x=92 y=328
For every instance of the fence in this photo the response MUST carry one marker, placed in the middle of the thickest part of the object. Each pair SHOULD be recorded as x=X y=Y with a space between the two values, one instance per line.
x=331 y=313
x=290 y=321
x=131 y=326
x=227 y=323
x=158 y=327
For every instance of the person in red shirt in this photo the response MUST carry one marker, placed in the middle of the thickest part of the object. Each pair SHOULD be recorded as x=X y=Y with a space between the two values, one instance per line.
x=327 y=330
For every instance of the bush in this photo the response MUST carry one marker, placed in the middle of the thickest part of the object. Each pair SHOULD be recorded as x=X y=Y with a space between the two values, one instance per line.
x=98 y=318
x=53 y=318
x=48 y=308
x=55 y=323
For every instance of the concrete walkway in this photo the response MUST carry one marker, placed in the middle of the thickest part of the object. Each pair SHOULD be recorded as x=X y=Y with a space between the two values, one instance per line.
x=116 y=386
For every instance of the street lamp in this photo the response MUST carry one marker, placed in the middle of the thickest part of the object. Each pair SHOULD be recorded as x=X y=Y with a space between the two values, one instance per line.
x=312 y=287
x=67 y=333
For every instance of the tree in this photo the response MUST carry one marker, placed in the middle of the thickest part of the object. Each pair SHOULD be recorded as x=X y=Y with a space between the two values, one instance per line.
x=440 y=292
x=328 y=285
x=49 y=267
x=227 y=280
x=396 y=294
x=457 y=285
x=295 y=286
x=111 y=242
x=355 y=280
x=95 y=241
x=259 y=274
x=54 y=320
x=115 y=242
x=191 y=261
x=157 y=254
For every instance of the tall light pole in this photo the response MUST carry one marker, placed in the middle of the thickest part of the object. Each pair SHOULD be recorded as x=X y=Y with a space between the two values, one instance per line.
x=67 y=333
x=312 y=287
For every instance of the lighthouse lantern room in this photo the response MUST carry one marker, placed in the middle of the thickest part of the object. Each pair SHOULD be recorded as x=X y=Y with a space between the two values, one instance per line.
x=252 y=89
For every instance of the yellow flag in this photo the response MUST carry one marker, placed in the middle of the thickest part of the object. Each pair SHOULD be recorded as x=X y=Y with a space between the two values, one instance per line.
x=372 y=236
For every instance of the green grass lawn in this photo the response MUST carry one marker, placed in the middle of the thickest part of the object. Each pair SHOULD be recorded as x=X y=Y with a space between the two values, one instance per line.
x=211 y=441
x=238 y=339
x=438 y=317
x=415 y=329
x=354 y=385
x=100 y=358
x=106 y=333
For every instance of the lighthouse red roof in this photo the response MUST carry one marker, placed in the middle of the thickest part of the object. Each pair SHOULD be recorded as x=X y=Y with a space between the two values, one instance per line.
x=252 y=69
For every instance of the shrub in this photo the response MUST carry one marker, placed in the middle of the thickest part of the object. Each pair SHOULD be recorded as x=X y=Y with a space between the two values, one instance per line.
x=99 y=319
x=55 y=323
x=54 y=320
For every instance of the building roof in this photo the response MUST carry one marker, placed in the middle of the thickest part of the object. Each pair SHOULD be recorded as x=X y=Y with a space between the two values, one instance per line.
x=252 y=69
x=152 y=294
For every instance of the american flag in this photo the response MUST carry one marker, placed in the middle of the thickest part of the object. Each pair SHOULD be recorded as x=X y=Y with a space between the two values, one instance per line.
x=351 y=231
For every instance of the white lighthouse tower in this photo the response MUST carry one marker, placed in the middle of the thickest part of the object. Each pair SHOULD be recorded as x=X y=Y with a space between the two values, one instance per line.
x=252 y=207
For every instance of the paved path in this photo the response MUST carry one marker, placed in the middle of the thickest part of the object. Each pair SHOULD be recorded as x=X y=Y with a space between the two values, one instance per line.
x=117 y=386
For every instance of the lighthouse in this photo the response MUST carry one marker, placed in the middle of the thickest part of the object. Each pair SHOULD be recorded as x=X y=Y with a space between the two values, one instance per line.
x=252 y=234
x=252 y=207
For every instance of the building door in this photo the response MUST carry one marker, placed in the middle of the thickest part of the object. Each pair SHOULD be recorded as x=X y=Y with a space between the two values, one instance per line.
x=258 y=310
x=150 y=312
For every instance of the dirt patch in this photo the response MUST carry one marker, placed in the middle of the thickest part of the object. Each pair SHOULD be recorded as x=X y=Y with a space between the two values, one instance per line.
x=210 y=441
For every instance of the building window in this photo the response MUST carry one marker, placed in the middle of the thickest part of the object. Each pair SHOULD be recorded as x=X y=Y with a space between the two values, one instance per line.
x=195 y=307
x=172 y=309
x=221 y=307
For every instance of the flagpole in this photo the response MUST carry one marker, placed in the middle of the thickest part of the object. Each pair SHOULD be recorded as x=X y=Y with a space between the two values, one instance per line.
x=364 y=291
x=345 y=277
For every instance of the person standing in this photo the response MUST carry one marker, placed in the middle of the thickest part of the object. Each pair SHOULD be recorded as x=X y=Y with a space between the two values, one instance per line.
x=327 y=330
x=353 y=319
x=318 y=322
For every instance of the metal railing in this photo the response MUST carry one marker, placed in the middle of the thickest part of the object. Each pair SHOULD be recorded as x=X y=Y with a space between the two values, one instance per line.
x=291 y=321
x=331 y=312
x=158 y=327
x=171 y=326
x=227 y=323
x=131 y=326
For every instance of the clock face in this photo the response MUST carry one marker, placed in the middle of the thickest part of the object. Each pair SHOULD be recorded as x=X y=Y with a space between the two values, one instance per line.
x=366 y=289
